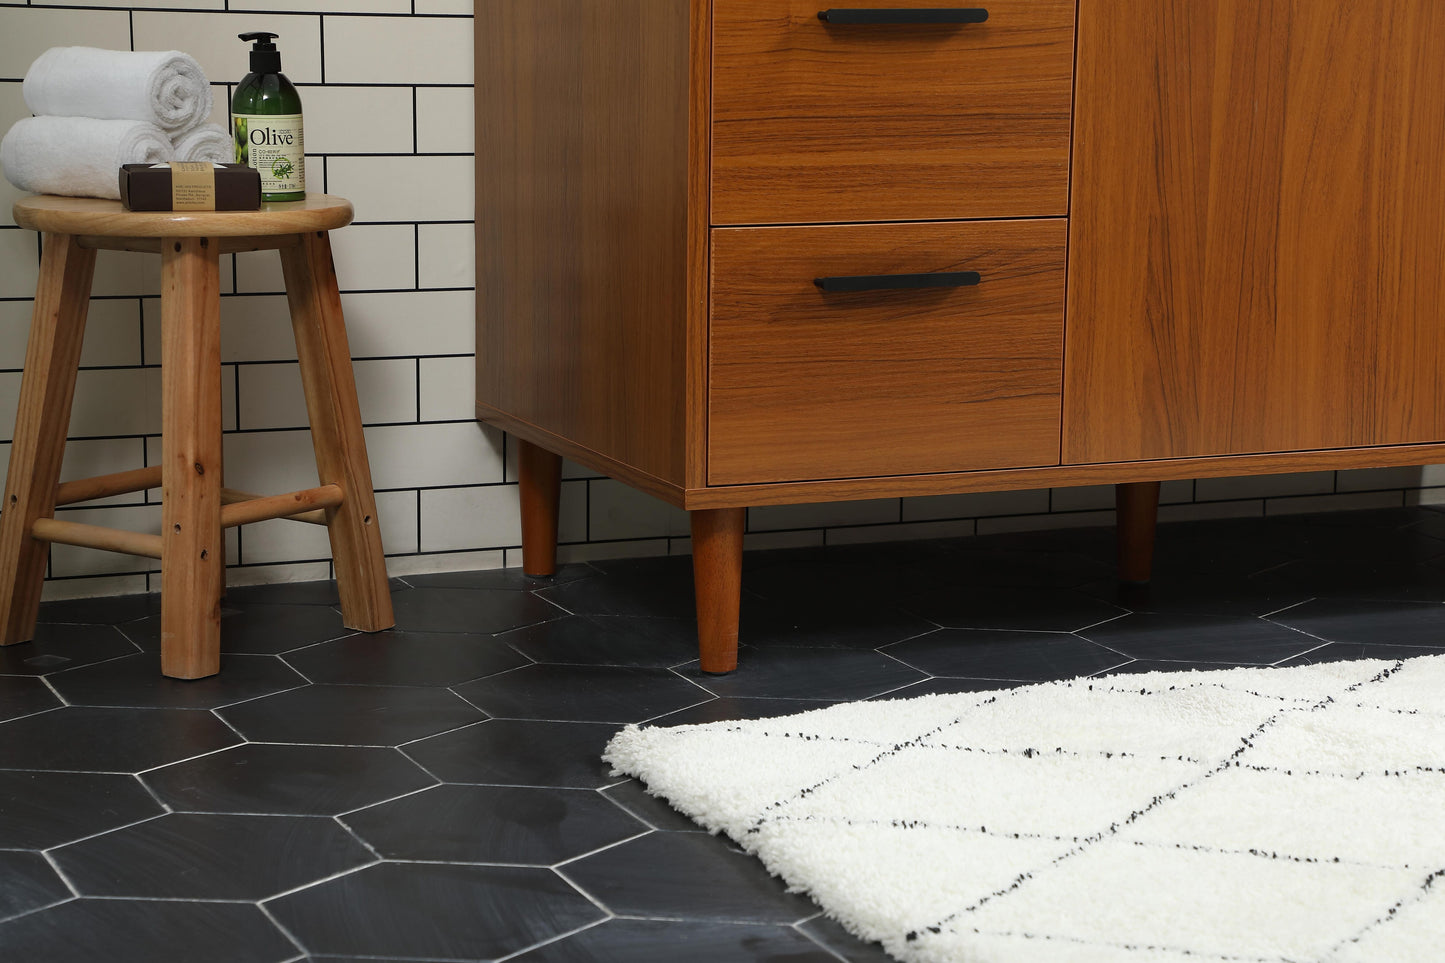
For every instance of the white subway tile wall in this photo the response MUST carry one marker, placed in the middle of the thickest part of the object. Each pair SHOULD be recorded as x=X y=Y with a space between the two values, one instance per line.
x=387 y=88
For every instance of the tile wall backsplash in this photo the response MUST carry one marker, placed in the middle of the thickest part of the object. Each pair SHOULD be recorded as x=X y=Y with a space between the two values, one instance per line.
x=386 y=86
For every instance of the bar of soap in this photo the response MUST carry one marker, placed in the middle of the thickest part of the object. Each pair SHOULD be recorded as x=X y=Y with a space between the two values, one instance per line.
x=189 y=186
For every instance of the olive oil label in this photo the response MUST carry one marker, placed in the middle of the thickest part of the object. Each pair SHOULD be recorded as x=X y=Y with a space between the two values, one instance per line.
x=273 y=145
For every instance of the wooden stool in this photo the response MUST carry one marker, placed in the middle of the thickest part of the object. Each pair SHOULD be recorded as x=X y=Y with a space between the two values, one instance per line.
x=195 y=508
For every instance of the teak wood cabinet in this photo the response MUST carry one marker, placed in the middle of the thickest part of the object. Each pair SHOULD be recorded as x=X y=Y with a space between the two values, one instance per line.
x=751 y=252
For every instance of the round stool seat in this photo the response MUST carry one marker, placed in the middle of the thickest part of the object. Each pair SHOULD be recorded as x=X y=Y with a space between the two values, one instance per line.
x=95 y=217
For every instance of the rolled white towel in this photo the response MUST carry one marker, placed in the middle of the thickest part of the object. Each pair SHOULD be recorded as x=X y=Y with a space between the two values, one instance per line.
x=208 y=142
x=78 y=156
x=165 y=87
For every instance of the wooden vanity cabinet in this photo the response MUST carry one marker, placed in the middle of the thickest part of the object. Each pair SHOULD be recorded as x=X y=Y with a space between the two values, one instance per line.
x=751 y=252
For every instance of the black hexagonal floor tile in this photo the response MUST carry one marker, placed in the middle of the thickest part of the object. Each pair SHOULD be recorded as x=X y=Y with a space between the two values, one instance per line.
x=256 y=629
x=351 y=715
x=659 y=941
x=686 y=876
x=211 y=856
x=646 y=588
x=295 y=780
x=493 y=824
x=136 y=680
x=506 y=579
x=1347 y=651
x=1201 y=638
x=84 y=739
x=1357 y=578
x=831 y=934
x=607 y=640
x=1209 y=594
x=58 y=647
x=316 y=592
x=785 y=672
x=582 y=693
x=515 y=752
x=1025 y=656
x=24 y=695
x=106 y=610
x=27 y=883
x=405 y=658
x=800 y=621
x=434 y=911
x=39 y=810
x=1368 y=622
x=733 y=708
x=949 y=686
x=654 y=812
x=1029 y=610
x=146 y=931
x=482 y=611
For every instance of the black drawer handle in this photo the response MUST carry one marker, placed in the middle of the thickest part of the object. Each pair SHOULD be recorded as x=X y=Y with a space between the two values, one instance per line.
x=931 y=15
x=881 y=282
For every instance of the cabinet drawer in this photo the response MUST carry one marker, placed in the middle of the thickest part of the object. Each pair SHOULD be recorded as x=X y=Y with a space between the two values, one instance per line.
x=805 y=383
x=825 y=122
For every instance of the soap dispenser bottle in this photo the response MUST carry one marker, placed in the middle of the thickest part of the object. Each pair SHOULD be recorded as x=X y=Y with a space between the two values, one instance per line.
x=266 y=121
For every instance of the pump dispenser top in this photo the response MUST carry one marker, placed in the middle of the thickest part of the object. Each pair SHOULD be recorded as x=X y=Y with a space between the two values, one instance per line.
x=265 y=58
x=266 y=121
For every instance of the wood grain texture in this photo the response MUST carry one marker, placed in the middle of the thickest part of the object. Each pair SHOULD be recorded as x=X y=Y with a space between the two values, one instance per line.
x=102 y=218
x=47 y=387
x=806 y=384
x=98 y=537
x=583 y=213
x=717 y=576
x=1011 y=479
x=539 y=480
x=815 y=122
x=193 y=550
x=103 y=486
x=336 y=433
x=1257 y=227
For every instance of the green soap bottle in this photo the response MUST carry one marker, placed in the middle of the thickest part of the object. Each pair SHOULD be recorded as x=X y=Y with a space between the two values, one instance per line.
x=266 y=121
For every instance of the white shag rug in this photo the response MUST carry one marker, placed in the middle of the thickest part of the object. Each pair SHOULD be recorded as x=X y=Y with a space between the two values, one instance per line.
x=1253 y=815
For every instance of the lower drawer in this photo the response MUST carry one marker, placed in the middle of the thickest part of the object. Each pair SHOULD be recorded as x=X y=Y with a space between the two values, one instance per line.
x=807 y=383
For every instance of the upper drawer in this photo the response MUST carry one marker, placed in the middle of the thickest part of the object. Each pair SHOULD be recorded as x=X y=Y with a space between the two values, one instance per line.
x=827 y=122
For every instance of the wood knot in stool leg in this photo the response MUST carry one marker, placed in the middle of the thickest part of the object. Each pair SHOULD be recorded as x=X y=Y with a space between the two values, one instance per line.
x=200 y=469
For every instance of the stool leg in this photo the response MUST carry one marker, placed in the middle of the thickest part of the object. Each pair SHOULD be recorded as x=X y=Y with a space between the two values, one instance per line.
x=46 y=390
x=336 y=433
x=193 y=549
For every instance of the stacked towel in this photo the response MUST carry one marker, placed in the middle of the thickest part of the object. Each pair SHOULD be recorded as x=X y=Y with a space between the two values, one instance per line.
x=208 y=142
x=164 y=87
x=98 y=109
x=79 y=156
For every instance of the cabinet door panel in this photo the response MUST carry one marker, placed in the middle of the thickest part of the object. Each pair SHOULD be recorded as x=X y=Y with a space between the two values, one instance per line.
x=811 y=383
x=1257 y=227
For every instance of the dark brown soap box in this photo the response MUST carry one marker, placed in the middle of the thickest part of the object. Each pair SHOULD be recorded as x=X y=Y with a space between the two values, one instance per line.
x=147 y=187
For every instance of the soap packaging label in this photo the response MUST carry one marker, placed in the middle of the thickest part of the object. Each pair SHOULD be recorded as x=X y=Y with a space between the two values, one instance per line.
x=272 y=145
x=189 y=186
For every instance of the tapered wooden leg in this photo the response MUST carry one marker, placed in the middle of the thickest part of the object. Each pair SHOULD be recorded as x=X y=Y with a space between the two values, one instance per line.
x=717 y=574
x=1137 y=511
x=330 y=386
x=46 y=390
x=539 y=476
x=193 y=549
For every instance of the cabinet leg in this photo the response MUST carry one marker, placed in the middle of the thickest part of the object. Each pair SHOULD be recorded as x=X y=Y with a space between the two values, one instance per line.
x=539 y=478
x=717 y=572
x=1137 y=511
